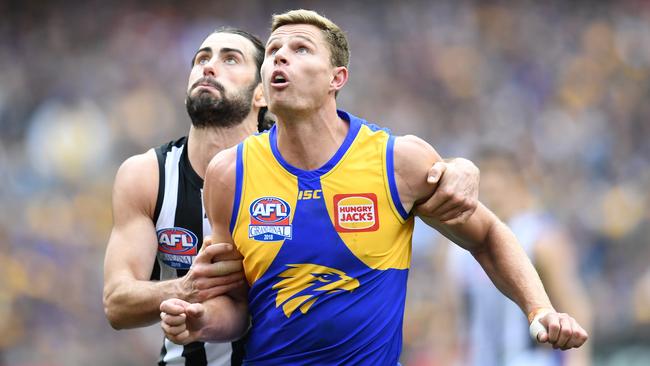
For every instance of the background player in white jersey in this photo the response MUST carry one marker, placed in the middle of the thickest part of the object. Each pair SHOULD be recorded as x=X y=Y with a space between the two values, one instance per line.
x=154 y=250
x=549 y=248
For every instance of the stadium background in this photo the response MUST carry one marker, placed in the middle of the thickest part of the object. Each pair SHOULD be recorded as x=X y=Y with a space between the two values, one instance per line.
x=84 y=85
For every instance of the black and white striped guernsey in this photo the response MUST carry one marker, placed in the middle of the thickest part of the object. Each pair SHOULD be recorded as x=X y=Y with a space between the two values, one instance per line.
x=181 y=224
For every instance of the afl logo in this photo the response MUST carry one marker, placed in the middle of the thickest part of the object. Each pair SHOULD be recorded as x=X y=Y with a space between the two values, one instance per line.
x=269 y=219
x=269 y=210
x=177 y=247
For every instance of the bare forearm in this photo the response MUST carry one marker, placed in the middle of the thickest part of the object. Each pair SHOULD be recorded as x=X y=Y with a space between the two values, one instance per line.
x=226 y=319
x=135 y=303
x=510 y=270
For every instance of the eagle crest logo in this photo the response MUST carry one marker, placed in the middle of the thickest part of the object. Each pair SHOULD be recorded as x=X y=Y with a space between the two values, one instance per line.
x=303 y=284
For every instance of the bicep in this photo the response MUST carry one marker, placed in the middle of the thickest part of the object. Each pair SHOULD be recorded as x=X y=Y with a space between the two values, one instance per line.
x=412 y=159
x=131 y=250
x=132 y=245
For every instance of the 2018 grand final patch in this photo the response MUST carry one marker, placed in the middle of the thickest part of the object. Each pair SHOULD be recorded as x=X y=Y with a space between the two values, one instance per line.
x=177 y=247
x=269 y=219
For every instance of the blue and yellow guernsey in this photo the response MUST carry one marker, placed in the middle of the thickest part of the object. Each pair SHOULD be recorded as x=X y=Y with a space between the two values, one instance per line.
x=326 y=252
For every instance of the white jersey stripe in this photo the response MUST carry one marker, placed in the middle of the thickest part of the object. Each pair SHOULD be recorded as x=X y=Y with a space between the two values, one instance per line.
x=174 y=355
x=168 y=210
x=218 y=354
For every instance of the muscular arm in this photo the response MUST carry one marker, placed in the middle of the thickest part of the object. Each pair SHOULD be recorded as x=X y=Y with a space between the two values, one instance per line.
x=490 y=241
x=484 y=235
x=130 y=298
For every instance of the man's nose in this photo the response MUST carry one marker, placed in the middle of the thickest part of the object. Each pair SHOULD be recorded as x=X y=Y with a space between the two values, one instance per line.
x=280 y=57
x=209 y=69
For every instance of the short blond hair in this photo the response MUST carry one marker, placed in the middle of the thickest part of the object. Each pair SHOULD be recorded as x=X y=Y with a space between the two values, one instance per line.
x=338 y=42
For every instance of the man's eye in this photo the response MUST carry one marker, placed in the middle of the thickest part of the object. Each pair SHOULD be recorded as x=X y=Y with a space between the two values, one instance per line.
x=302 y=50
x=201 y=60
x=230 y=61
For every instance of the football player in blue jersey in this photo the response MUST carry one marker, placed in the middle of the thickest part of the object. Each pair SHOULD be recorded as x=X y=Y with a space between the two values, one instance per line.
x=145 y=260
x=304 y=68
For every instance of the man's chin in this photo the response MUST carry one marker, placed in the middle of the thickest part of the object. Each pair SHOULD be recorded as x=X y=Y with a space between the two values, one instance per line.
x=281 y=106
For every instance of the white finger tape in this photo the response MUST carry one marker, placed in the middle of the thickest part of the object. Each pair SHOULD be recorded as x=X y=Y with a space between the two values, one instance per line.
x=536 y=327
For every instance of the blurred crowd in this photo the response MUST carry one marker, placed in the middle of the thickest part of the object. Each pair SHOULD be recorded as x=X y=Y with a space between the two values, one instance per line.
x=563 y=86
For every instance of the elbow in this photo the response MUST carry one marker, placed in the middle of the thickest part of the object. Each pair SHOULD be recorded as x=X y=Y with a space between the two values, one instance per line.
x=113 y=320
x=111 y=315
x=111 y=311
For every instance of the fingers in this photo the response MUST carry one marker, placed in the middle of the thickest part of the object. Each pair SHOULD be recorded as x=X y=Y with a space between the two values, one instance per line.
x=195 y=310
x=220 y=290
x=173 y=321
x=173 y=306
x=552 y=324
x=452 y=206
x=456 y=197
x=177 y=334
x=209 y=282
x=579 y=336
x=436 y=171
x=449 y=210
x=207 y=241
x=220 y=250
x=564 y=332
x=174 y=326
x=431 y=205
x=451 y=203
x=223 y=268
x=462 y=217
x=182 y=339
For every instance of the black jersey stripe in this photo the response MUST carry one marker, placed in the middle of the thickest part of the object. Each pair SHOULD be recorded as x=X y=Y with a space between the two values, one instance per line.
x=161 y=154
x=163 y=352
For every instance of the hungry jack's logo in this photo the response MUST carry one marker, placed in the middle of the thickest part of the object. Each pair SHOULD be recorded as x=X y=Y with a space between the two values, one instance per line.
x=355 y=212
x=303 y=284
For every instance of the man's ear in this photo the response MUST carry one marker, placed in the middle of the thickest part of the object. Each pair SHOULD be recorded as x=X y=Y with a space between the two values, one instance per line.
x=339 y=78
x=258 y=97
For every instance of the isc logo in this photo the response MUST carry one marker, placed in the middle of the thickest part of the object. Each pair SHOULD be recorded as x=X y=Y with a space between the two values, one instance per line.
x=309 y=194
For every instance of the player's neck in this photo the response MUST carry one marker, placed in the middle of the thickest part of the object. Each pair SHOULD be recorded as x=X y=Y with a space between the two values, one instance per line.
x=205 y=143
x=307 y=141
